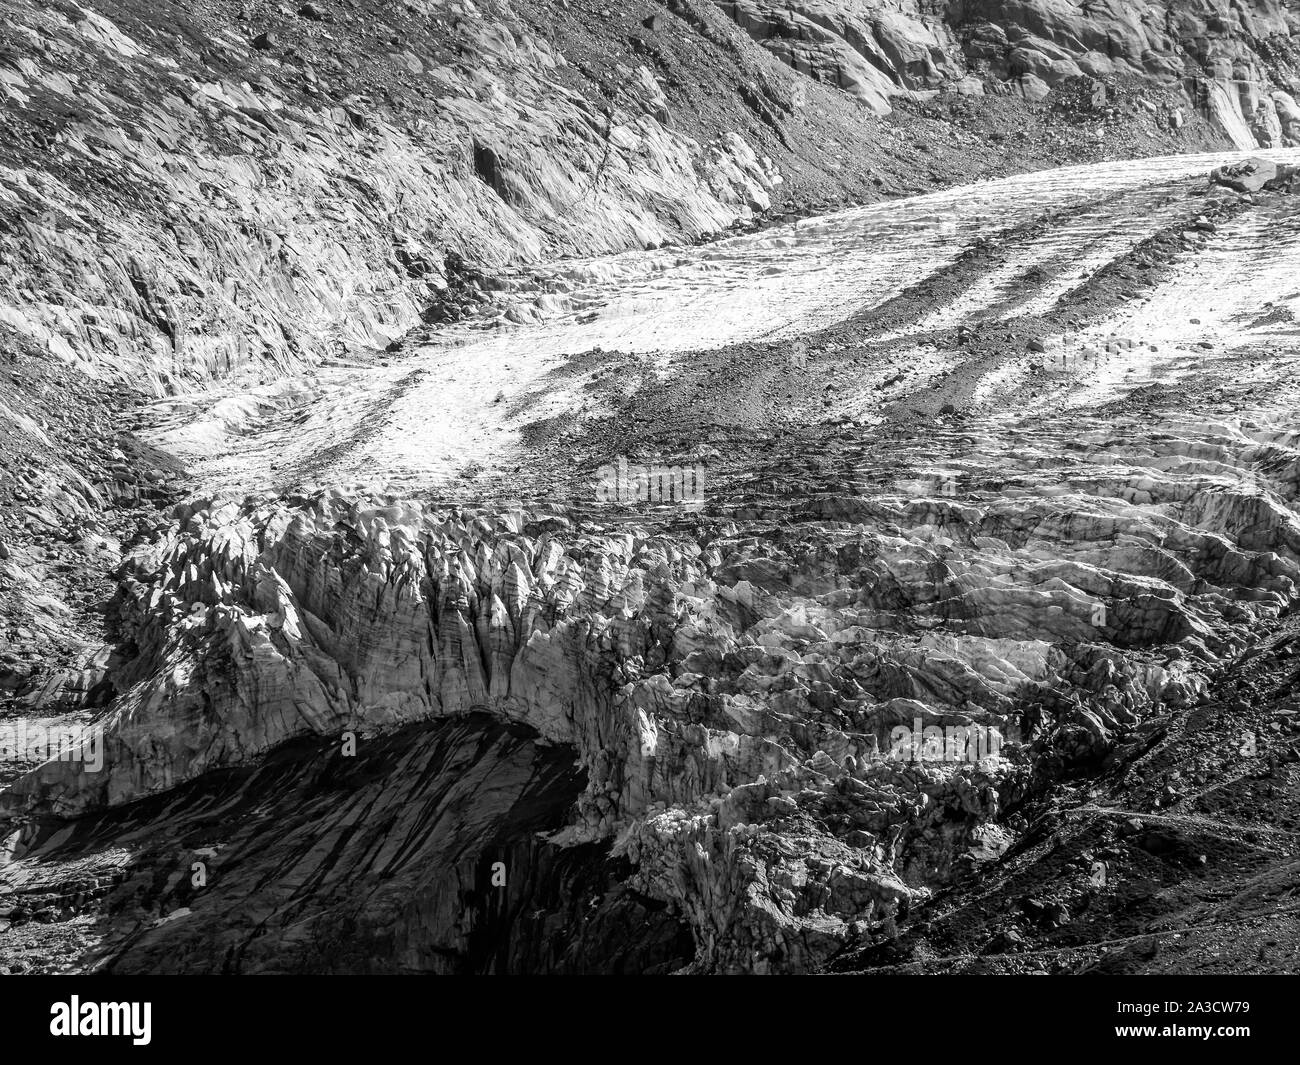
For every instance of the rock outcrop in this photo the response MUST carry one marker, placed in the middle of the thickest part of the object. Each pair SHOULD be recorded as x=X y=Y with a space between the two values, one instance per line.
x=1237 y=63
x=226 y=205
x=872 y=51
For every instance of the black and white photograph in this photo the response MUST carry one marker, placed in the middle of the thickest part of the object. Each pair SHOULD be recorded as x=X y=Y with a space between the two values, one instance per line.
x=651 y=487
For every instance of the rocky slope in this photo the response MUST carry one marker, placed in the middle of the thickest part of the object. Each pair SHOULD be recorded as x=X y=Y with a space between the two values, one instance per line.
x=246 y=190
x=350 y=733
x=1234 y=61
x=464 y=724
x=249 y=185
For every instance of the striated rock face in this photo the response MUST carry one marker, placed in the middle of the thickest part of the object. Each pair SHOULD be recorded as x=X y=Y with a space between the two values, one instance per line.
x=871 y=50
x=224 y=204
x=1235 y=62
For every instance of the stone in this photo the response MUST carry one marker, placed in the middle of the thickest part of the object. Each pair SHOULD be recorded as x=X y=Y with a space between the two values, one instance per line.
x=1032 y=87
x=1252 y=175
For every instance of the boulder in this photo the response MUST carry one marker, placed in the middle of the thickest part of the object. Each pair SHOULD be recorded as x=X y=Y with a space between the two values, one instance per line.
x=1253 y=175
